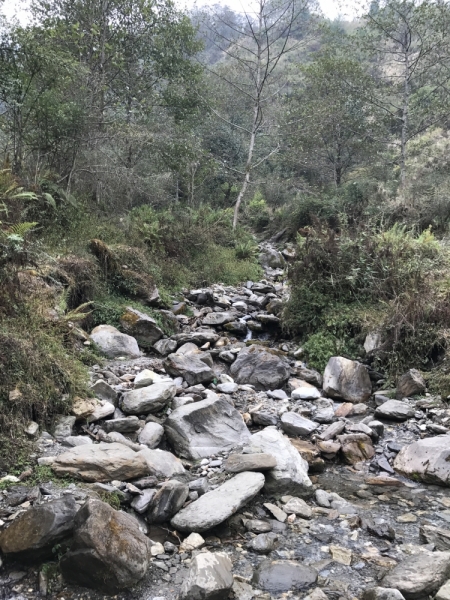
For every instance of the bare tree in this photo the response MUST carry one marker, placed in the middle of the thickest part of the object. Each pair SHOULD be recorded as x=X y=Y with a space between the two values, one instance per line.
x=270 y=31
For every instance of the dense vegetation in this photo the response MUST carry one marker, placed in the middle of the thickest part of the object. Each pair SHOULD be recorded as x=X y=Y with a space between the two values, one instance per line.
x=143 y=146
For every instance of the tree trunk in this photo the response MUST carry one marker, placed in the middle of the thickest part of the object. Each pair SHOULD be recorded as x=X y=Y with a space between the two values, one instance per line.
x=404 y=119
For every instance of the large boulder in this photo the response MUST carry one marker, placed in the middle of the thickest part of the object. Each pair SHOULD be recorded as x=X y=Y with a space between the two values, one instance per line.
x=101 y=462
x=394 y=410
x=218 y=318
x=109 y=552
x=113 y=344
x=199 y=337
x=150 y=399
x=209 y=578
x=427 y=460
x=410 y=384
x=290 y=476
x=215 y=507
x=205 y=428
x=271 y=258
x=188 y=366
x=162 y=464
x=151 y=434
x=420 y=575
x=32 y=536
x=260 y=367
x=141 y=326
x=347 y=379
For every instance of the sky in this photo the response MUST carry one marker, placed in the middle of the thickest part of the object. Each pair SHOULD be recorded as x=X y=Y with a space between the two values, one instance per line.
x=331 y=8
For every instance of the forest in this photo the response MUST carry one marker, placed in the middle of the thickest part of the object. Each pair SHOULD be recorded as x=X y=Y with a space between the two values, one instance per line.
x=144 y=145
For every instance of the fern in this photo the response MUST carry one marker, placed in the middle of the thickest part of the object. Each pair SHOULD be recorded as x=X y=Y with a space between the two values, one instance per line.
x=20 y=229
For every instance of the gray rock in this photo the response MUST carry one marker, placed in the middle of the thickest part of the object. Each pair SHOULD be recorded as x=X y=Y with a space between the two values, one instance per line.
x=145 y=378
x=260 y=367
x=258 y=526
x=290 y=476
x=332 y=431
x=443 y=592
x=435 y=535
x=263 y=543
x=122 y=425
x=32 y=536
x=394 y=410
x=227 y=388
x=113 y=344
x=309 y=375
x=76 y=440
x=191 y=368
x=410 y=384
x=198 y=337
x=210 y=577
x=63 y=426
x=204 y=428
x=151 y=434
x=263 y=418
x=298 y=506
x=347 y=379
x=237 y=463
x=218 y=318
x=119 y=438
x=109 y=552
x=161 y=464
x=104 y=391
x=167 y=501
x=141 y=326
x=380 y=593
x=149 y=399
x=141 y=502
x=426 y=460
x=293 y=424
x=419 y=575
x=218 y=505
x=270 y=257
x=165 y=347
x=283 y=576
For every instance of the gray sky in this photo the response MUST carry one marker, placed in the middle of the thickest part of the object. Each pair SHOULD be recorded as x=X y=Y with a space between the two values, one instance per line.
x=331 y=8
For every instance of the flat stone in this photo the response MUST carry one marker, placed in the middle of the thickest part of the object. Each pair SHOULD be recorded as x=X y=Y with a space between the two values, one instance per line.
x=236 y=463
x=122 y=425
x=218 y=505
x=283 y=576
x=218 y=318
x=293 y=424
x=332 y=431
x=210 y=577
x=298 y=506
x=395 y=410
x=279 y=514
x=341 y=555
x=150 y=399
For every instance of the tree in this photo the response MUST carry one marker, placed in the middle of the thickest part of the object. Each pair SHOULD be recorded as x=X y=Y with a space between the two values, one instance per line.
x=256 y=52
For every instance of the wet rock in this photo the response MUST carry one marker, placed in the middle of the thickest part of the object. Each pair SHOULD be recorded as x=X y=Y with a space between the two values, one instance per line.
x=113 y=344
x=109 y=552
x=419 y=575
x=141 y=326
x=191 y=368
x=122 y=425
x=237 y=463
x=32 y=536
x=101 y=462
x=291 y=473
x=381 y=593
x=165 y=347
x=347 y=379
x=210 y=578
x=395 y=410
x=263 y=543
x=283 y=576
x=151 y=434
x=260 y=367
x=293 y=424
x=167 y=501
x=426 y=460
x=204 y=428
x=435 y=535
x=218 y=505
x=410 y=384
x=150 y=399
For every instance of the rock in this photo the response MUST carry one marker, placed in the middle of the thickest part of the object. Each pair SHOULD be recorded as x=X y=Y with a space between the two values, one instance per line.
x=32 y=535
x=162 y=464
x=293 y=424
x=237 y=463
x=146 y=378
x=316 y=594
x=380 y=528
x=141 y=502
x=218 y=505
x=101 y=462
x=122 y=425
x=283 y=576
x=191 y=368
x=150 y=399
x=298 y=507
x=270 y=257
x=380 y=593
x=104 y=391
x=394 y=410
x=165 y=347
x=227 y=388
x=258 y=526
x=305 y=391
x=264 y=418
x=347 y=379
x=32 y=430
x=410 y=384
x=192 y=542
x=113 y=344
x=204 y=428
x=426 y=460
x=260 y=367
x=443 y=592
x=372 y=342
x=309 y=375
x=77 y=440
x=341 y=555
x=119 y=438
x=151 y=434
x=419 y=575
x=140 y=326
x=109 y=552
x=199 y=337
x=102 y=410
x=332 y=431
x=63 y=426
x=290 y=476
x=83 y=407
x=210 y=577
x=167 y=501
x=218 y=318
x=263 y=543
x=356 y=447
x=435 y=535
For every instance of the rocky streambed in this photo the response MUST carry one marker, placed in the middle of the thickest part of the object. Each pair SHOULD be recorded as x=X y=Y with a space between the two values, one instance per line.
x=217 y=465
